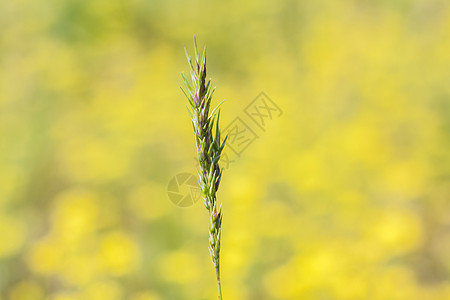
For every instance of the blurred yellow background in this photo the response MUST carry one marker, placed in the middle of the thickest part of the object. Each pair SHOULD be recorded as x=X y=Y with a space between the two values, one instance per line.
x=345 y=196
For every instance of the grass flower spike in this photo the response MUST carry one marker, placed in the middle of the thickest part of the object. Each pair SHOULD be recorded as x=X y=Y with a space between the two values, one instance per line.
x=209 y=148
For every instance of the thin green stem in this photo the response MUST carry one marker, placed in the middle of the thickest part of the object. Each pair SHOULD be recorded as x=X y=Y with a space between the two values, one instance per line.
x=219 y=286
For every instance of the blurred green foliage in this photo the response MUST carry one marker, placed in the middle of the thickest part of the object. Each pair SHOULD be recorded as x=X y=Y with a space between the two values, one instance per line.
x=346 y=196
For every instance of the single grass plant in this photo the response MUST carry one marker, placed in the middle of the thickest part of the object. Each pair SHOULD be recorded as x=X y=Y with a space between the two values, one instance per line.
x=205 y=123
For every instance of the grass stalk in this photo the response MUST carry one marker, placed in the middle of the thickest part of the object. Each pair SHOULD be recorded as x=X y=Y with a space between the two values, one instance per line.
x=205 y=123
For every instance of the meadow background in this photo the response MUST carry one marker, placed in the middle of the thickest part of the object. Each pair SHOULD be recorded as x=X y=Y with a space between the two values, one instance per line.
x=344 y=196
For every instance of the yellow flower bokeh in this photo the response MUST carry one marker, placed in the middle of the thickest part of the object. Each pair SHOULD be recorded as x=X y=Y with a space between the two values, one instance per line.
x=342 y=194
